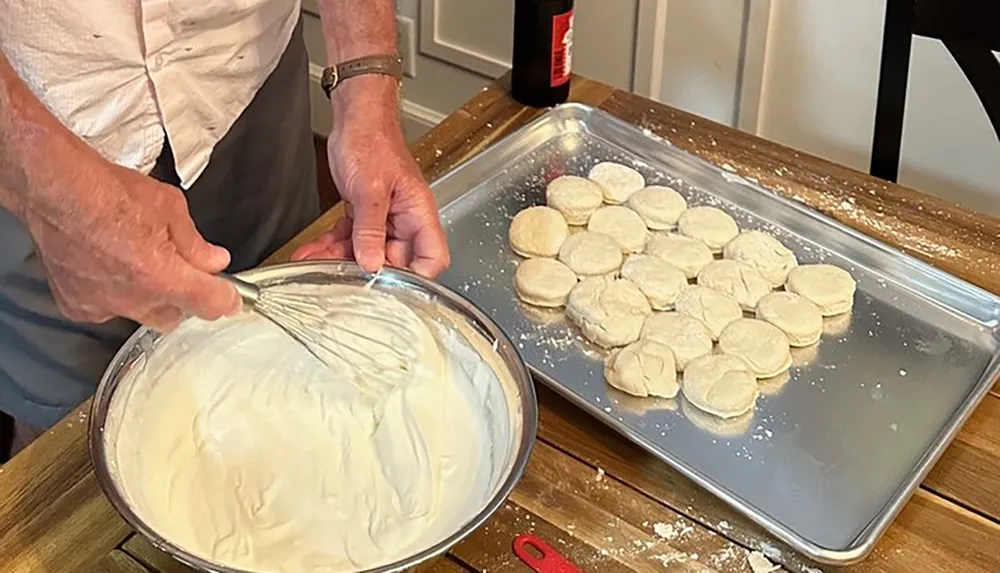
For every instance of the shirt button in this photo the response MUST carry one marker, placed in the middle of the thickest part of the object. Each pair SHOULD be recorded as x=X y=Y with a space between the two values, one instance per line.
x=157 y=63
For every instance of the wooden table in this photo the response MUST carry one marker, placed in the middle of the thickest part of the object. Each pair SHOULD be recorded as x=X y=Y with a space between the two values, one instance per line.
x=588 y=492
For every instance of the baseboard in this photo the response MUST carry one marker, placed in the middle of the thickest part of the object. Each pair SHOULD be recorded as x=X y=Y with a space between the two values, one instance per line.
x=422 y=114
x=417 y=119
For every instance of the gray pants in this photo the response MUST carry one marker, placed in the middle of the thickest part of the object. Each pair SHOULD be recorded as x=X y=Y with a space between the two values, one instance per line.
x=258 y=191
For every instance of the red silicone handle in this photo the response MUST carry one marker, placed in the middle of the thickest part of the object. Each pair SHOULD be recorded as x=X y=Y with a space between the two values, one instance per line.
x=549 y=562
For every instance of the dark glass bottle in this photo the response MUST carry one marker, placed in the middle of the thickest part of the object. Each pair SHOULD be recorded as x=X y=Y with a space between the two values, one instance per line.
x=543 y=46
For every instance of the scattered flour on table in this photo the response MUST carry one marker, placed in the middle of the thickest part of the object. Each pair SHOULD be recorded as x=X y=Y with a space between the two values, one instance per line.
x=672 y=531
x=770 y=551
x=761 y=564
x=666 y=559
x=724 y=558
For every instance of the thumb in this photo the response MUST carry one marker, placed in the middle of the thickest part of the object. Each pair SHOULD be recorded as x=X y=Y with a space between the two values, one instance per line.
x=368 y=233
x=193 y=248
x=201 y=294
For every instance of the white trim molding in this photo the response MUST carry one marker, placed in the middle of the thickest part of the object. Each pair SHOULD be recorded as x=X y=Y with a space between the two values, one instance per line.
x=321 y=114
x=756 y=26
x=422 y=115
x=315 y=72
x=433 y=46
x=650 y=45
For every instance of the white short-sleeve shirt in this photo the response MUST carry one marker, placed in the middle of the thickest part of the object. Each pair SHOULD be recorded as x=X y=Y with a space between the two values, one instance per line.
x=120 y=73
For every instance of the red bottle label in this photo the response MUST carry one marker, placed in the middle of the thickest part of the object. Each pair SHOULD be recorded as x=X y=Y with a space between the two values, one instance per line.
x=562 y=48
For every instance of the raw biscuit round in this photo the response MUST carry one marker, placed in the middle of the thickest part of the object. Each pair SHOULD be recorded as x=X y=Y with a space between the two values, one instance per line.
x=774 y=385
x=715 y=309
x=796 y=316
x=609 y=311
x=763 y=346
x=721 y=385
x=837 y=325
x=575 y=197
x=805 y=355
x=591 y=254
x=686 y=337
x=538 y=232
x=659 y=206
x=687 y=254
x=643 y=368
x=828 y=287
x=660 y=281
x=724 y=428
x=642 y=406
x=617 y=181
x=764 y=253
x=542 y=315
x=543 y=282
x=738 y=280
x=622 y=224
x=710 y=225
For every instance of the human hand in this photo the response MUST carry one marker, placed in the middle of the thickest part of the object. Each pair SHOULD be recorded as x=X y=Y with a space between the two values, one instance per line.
x=114 y=242
x=391 y=215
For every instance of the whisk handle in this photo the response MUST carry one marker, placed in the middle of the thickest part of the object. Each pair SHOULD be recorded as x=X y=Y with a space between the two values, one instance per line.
x=249 y=292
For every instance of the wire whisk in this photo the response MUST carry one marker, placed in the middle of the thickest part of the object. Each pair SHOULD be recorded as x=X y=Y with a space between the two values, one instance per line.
x=332 y=328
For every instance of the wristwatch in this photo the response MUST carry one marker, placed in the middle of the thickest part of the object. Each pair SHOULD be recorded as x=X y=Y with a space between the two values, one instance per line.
x=389 y=65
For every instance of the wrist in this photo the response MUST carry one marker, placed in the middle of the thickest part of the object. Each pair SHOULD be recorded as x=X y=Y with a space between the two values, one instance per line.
x=369 y=93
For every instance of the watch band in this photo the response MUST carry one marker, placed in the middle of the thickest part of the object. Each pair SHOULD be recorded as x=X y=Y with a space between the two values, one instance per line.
x=389 y=65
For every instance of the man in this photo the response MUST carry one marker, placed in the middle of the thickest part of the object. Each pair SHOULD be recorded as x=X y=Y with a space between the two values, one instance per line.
x=147 y=144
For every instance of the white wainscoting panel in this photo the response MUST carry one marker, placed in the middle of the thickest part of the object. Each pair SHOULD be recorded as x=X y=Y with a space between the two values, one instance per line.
x=756 y=21
x=650 y=44
x=702 y=54
x=476 y=35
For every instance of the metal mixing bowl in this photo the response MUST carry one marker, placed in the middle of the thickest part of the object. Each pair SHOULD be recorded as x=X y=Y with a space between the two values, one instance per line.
x=517 y=388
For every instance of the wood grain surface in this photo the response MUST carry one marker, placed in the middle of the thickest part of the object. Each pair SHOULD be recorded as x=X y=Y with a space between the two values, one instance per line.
x=116 y=562
x=603 y=502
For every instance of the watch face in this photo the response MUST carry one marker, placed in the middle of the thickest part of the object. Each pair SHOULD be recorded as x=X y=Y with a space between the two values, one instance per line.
x=329 y=80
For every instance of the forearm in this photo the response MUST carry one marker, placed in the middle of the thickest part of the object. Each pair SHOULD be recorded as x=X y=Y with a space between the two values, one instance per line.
x=31 y=141
x=354 y=29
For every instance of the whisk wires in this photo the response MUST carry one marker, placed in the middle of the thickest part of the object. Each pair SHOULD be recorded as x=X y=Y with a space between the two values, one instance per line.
x=338 y=331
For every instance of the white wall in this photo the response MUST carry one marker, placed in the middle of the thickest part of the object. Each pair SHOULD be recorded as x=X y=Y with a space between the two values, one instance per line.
x=820 y=73
x=801 y=72
x=949 y=146
x=819 y=93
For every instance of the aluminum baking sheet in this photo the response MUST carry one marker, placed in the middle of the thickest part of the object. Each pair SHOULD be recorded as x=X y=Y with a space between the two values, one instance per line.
x=832 y=453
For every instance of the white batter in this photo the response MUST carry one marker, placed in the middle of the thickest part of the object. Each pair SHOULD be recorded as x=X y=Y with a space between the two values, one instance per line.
x=242 y=448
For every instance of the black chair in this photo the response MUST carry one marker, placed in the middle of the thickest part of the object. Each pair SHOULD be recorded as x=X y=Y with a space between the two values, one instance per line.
x=6 y=436
x=969 y=29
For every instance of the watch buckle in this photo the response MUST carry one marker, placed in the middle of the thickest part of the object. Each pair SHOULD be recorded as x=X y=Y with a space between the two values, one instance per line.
x=334 y=76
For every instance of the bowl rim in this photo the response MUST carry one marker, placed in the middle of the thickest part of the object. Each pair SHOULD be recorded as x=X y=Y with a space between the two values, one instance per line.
x=127 y=355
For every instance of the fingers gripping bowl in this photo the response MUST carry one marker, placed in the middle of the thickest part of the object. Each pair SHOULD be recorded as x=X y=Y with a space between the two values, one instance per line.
x=220 y=443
